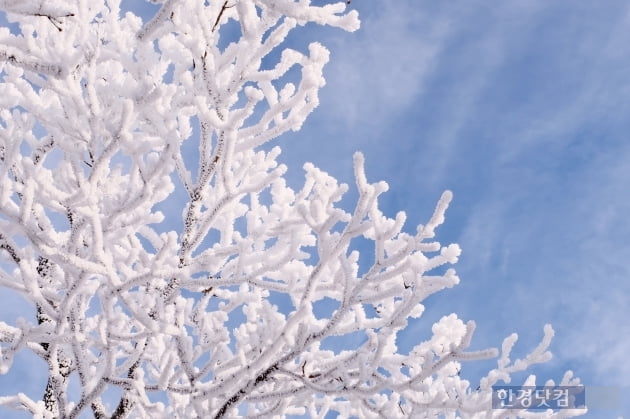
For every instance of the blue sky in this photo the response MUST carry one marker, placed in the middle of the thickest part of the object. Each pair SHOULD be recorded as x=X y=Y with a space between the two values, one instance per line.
x=522 y=110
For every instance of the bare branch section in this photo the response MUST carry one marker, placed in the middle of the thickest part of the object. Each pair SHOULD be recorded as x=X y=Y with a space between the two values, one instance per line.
x=220 y=15
x=162 y=253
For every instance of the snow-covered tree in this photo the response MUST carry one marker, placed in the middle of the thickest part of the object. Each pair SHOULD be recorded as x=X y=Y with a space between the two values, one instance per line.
x=171 y=270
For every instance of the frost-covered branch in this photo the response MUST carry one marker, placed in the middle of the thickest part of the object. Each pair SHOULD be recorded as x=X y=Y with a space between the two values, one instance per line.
x=47 y=8
x=163 y=252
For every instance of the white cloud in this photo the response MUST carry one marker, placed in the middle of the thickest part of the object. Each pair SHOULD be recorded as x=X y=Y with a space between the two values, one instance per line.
x=381 y=69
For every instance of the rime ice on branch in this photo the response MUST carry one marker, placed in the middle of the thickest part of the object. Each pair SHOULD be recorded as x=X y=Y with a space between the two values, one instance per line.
x=97 y=110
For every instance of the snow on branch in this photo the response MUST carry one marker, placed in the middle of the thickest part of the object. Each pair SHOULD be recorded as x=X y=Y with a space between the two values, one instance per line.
x=15 y=58
x=163 y=254
x=47 y=8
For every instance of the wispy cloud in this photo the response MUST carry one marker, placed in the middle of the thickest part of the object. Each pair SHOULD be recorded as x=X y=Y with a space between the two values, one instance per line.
x=523 y=110
x=381 y=69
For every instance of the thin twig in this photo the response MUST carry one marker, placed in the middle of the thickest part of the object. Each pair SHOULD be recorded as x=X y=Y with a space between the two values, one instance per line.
x=216 y=23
